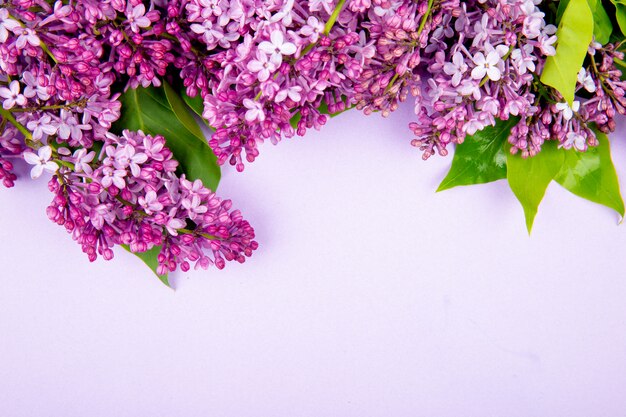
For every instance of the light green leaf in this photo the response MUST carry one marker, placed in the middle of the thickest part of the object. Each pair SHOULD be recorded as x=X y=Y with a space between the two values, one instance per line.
x=602 y=28
x=620 y=15
x=591 y=175
x=574 y=35
x=150 y=259
x=529 y=178
x=159 y=111
x=481 y=158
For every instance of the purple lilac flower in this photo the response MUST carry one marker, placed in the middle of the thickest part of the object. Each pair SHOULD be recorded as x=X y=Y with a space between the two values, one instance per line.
x=57 y=69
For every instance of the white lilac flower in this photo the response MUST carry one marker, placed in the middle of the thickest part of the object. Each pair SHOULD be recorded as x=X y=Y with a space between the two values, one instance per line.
x=586 y=80
x=575 y=140
x=456 y=68
x=41 y=126
x=41 y=162
x=255 y=111
x=277 y=47
x=487 y=66
x=262 y=66
x=568 y=112
x=6 y=25
x=12 y=96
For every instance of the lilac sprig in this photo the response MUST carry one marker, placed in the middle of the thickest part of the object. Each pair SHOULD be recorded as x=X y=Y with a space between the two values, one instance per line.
x=130 y=194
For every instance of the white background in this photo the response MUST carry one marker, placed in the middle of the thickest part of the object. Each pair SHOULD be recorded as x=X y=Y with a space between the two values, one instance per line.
x=371 y=295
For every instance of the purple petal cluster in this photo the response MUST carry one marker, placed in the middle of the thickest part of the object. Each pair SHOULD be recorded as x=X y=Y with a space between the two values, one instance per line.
x=62 y=68
x=130 y=194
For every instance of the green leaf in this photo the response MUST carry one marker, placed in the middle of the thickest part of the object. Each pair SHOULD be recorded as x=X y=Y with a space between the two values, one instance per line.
x=592 y=176
x=529 y=178
x=559 y=13
x=620 y=15
x=160 y=111
x=150 y=259
x=574 y=36
x=481 y=158
x=196 y=104
x=602 y=27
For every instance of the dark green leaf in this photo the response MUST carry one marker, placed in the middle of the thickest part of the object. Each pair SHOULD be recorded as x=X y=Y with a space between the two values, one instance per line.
x=574 y=36
x=159 y=111
x=481 y=158
x=529 y=178
x=591 y=175
x=196 y=104
x=150 y=259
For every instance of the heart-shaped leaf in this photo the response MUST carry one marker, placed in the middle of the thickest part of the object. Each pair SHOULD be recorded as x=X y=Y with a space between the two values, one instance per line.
x=529 y=178
x=481 y=158
x=592 y=176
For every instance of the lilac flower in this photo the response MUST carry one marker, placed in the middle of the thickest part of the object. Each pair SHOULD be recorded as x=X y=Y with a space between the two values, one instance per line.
x=586 y=80
x=41 y=162
x=575 y=140
x=487 y=66
x=26 y=36
x=313 y=29
x=277 y=47
x=193 y=206
x=150 y=202
x=136 y=17
x=262 y=66
x=211 y=34
x=255 y=111
x=456 y=68
x=12 y=96
x=568 y=112
x=111 y=176
x=41 y=126
x=82 y=160
x=6 y=25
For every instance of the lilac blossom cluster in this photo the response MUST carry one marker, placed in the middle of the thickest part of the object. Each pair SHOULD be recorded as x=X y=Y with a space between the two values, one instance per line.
x=486 y=67
x=62 y=68
x=130 y=194
x=468 y=64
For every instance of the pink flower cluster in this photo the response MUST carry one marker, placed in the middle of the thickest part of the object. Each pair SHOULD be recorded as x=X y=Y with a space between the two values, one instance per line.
x=265 y=65
x=63 y=66
x=130 y=194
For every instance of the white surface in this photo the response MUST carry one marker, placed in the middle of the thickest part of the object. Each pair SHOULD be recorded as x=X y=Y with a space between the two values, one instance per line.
x=369 y=296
